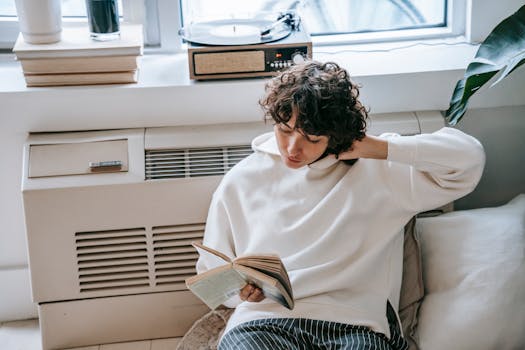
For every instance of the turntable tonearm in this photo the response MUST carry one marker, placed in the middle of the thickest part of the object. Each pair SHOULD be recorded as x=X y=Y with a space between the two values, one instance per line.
x=244 y=48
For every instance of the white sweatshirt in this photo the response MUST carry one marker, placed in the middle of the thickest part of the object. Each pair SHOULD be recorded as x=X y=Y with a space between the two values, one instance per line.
x=337 y=228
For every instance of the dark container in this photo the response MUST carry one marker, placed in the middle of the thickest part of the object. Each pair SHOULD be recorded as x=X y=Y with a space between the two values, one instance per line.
x=103 y=18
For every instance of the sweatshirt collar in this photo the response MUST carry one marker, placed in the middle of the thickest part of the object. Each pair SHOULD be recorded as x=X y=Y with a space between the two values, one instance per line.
x=267 y=143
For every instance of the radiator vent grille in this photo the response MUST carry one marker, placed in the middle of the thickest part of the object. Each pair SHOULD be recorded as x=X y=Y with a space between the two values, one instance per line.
x=174 y=256
x=112 y=259
x=193 y=162
x=127 y=259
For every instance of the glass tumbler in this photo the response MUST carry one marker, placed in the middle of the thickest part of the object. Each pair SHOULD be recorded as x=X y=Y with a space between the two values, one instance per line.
x=103 y=19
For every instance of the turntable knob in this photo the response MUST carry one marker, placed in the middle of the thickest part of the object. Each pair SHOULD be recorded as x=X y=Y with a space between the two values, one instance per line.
x=298 y=57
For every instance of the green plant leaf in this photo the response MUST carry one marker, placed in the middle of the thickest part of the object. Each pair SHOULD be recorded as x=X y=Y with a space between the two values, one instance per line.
x=502 y=50
x=511 y=66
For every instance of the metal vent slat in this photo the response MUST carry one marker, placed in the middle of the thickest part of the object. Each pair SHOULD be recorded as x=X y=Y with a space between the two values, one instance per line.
x=100 y=269
x=114 y=283
x=87 y=242
x=111 y=277
x=168 y=259
x=176 y=272
x=174 y=243
x=174 y=285
x=143 y=259
x=237 y=157
x=168 y=165
x=166 y=155
x=113 y=288
x=171 y=166
x=192 y=153
x=177 y=228
x=173 y=264
x=180 y=160
x=110 y=233
x=193 y=162
x=112 y=254
x=179 y=234
x=194 y=169
x=174 y=278
x=173 y=250
x=102 y=248
x=196 y=173
x=158 y=230
x=153 y=176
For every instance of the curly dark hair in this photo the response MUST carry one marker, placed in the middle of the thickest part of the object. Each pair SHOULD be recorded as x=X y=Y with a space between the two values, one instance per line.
x=326 y=101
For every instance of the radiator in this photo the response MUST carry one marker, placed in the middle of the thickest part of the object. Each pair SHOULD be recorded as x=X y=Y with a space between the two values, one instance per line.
x=110 y=216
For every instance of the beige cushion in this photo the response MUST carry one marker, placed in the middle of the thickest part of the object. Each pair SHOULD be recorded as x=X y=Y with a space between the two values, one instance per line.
x=412 y=288
x=474 y=275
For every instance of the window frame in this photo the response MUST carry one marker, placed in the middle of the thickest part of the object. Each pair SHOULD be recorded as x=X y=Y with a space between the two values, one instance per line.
x=467 y=18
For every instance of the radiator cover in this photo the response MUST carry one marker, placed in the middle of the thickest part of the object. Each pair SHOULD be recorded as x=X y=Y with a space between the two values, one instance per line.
x=110 y=247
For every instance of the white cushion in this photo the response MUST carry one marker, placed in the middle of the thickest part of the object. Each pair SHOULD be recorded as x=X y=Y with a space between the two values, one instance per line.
x=474 y=277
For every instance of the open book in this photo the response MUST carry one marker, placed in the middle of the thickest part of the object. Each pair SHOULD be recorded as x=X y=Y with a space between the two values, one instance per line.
x=219 y=284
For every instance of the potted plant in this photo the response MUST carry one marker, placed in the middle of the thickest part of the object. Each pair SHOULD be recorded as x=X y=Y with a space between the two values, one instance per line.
x=503 y=50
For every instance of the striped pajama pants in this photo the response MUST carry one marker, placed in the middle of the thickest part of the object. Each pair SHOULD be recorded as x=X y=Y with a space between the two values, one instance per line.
x=305 y=334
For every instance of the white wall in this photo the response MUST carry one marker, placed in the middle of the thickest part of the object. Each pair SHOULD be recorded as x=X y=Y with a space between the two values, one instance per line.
x=501 y=131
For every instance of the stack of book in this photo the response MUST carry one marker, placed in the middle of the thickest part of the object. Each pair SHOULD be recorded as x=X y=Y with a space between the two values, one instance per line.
x=79 y=60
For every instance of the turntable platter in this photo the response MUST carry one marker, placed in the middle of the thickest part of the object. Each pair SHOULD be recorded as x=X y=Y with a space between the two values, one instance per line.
x=233 y=32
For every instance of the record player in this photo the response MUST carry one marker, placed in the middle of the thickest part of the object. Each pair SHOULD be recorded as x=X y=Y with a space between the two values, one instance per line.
x=245 y=48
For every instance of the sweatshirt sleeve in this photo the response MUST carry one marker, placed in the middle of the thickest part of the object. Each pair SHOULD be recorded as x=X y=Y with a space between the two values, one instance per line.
x=443 y=166
x=217 y=235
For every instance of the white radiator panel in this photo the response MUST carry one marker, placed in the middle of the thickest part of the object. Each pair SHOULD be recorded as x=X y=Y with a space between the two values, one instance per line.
x=86 y=322
x=71 y=229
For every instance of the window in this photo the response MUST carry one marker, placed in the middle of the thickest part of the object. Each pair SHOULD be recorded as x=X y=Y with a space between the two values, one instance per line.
x=338 y=21
x=329 y=21
x=330 y=17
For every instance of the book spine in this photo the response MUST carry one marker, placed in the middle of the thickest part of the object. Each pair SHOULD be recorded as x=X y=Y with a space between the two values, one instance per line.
x=33 y=80
x=79 y=65
x=79 y=53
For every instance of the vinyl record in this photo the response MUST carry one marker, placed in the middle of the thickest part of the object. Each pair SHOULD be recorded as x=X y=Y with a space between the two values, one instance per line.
x=234 y=32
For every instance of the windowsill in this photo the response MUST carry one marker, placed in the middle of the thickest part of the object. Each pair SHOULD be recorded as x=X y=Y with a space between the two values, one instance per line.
x=171 y=69
x=395 y=77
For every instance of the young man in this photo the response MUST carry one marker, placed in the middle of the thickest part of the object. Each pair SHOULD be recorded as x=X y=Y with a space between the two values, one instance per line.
x=331 y=201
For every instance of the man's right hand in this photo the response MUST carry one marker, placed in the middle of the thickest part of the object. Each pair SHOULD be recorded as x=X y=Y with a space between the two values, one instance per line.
x=369 y=147
x=251 y=293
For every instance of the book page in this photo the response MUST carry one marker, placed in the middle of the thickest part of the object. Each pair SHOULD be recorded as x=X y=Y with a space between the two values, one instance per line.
x=216 y=286
x=201 y=248
x=271 y=260
x=274 y=267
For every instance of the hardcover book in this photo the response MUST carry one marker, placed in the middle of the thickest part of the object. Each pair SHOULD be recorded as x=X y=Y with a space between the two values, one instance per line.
x=81 y=78
x=76 y=42
x=93 y=64
x=219 y=284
